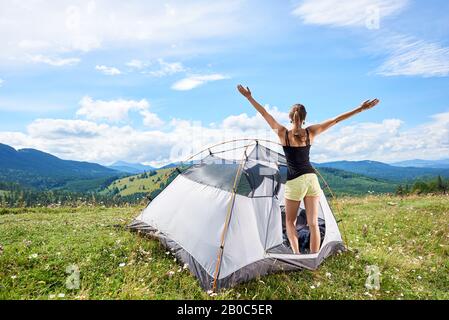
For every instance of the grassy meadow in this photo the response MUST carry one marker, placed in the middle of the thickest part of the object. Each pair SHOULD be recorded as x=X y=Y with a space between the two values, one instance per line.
x=135 y=184
x=407 y=238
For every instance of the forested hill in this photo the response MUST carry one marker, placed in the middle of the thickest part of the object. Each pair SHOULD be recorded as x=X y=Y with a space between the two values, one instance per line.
x=380 y=170
x=34 y=168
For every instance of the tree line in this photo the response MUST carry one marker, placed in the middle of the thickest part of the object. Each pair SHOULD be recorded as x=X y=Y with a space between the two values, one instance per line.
x=434 y=186
x=15 y=195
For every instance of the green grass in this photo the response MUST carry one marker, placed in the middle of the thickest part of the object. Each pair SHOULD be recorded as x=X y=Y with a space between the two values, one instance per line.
x=134 y=184
x=408 y=239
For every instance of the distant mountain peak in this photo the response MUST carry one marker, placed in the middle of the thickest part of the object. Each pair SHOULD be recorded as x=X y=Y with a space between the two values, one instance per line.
x=129 y=167
x=420 y=163
x=4 y=147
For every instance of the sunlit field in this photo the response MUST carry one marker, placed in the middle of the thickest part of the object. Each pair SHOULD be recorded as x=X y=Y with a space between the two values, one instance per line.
x=406 y=238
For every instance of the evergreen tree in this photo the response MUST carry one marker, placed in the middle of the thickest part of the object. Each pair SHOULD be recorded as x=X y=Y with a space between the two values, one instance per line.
x=400 y=190
x=440 y=184
x=407 y=189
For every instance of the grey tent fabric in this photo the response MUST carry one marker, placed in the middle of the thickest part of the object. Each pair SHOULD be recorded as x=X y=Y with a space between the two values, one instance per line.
x=189 y=217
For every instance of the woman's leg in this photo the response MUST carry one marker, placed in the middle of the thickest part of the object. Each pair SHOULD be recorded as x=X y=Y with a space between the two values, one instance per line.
x=291 y=214
x=311 y=204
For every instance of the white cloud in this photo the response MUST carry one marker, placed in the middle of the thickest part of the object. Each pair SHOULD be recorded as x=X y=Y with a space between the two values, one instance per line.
x=167 y=68
x=412 y=57
x=256 y=122
x=342 y=13
x=158 y=68
x=117 y=110
x=52 y=28
x=57 y=128
x=1 y=82
x=136 y=64
x=110 y=71
x=356 y=142
x=151 y=119
x=55 y=62
x=112 y=110
x=194 y=81
x=407 y=56
x=88 y=141
x=386 y=140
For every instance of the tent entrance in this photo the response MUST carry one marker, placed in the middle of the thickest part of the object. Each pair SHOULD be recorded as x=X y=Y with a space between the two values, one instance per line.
x=302 y=230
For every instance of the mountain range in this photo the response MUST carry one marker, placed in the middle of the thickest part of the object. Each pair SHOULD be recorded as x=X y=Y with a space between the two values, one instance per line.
x=419 y=163
x=40 y=170
x=37 y=169
x=380 y=170
x=128 y=167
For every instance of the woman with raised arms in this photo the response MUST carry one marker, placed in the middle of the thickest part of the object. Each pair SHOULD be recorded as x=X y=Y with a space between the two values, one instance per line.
x=302 y=181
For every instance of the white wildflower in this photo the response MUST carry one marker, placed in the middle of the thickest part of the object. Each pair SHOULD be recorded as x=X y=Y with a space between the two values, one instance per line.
x=121 y=265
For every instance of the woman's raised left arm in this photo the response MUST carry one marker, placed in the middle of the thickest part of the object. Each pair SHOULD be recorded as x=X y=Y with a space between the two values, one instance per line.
x=316 y=129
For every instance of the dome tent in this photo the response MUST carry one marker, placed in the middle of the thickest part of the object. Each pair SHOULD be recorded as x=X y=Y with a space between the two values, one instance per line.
x=222 y=217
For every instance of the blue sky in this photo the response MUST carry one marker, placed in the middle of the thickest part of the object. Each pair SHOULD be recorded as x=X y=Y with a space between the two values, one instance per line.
x=105 y=81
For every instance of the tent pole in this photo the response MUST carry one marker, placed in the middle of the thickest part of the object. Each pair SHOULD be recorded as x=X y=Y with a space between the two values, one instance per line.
x=230 y=141
x=228 y=219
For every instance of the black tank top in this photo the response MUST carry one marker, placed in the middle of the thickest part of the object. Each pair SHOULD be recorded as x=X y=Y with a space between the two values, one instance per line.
x=298 y=162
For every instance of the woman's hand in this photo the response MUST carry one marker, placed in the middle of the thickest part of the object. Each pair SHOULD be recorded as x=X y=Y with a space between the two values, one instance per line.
x=245 y=92
x=368 y=104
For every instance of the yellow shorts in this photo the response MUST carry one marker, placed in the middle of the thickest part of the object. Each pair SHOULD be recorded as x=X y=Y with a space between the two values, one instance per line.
x=304 y=185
